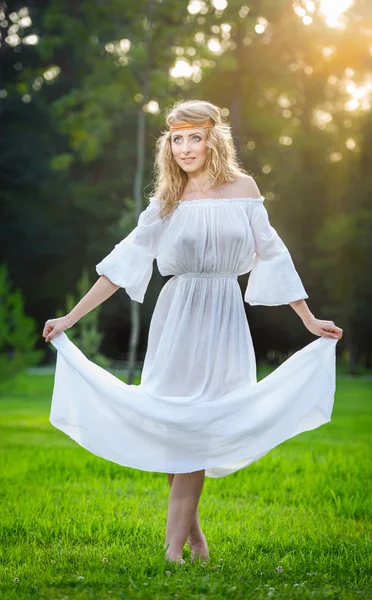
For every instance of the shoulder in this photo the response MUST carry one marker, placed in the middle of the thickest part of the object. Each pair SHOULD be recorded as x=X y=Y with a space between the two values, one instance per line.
x=246 y=187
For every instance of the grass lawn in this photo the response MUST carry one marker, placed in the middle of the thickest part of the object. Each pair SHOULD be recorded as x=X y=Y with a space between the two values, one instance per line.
x=296 y=524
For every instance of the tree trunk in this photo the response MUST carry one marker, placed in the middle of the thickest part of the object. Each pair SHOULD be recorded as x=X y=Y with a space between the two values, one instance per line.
x=135 y=315
x=351 y=348
x=236 y=104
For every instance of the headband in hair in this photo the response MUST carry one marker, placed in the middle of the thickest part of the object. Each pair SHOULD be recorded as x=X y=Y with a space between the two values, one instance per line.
x=188 y=125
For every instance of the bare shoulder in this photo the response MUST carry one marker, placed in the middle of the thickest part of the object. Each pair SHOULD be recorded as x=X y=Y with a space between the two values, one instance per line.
x=247 y=187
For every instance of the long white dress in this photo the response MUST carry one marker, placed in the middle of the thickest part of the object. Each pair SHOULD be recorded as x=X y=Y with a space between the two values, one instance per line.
x=199 y=405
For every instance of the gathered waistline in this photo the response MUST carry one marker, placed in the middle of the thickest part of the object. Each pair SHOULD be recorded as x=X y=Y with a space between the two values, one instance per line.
x=219 y=274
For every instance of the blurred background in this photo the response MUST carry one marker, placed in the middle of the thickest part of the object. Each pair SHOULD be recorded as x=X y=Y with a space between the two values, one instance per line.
x=83 y=89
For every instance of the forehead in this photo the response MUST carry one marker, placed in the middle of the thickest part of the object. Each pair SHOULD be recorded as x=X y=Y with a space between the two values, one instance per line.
x=187 y=132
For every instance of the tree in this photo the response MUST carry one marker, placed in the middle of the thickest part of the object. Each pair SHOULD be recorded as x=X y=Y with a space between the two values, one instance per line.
x=17 y=331
x=346 y=244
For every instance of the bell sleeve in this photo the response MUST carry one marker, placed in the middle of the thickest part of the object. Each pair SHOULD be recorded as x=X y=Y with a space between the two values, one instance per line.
x=130 y=264
x=273 y=279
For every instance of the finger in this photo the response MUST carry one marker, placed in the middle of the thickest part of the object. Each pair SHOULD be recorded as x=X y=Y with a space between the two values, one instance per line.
x=334 y=329
x=53 y=333
x=330 y=334
x=50 y=336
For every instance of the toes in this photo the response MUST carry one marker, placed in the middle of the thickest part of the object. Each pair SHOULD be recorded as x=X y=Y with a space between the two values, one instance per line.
x=199 y=554
x=179 y=560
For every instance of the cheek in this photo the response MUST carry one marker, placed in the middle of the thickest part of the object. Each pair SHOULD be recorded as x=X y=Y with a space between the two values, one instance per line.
x=175 y=150
x=202 y=150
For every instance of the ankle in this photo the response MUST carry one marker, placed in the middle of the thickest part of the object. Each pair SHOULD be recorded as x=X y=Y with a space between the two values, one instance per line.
x=196 y=533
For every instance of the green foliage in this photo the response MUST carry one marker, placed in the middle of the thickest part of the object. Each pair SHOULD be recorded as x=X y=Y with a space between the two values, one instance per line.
x=61 y=162
x=346 y=241
x=344 y=264
x=85 y=333
x=18 y=335
x=68 y=156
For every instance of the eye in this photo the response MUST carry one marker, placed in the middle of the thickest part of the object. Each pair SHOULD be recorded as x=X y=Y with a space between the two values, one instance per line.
x=195 y=137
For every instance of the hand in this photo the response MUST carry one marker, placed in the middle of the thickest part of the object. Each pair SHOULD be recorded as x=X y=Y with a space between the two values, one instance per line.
x=53 y=327
x=323 y=328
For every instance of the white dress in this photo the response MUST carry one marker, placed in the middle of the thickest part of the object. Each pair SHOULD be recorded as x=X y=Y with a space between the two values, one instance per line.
x=199 y=405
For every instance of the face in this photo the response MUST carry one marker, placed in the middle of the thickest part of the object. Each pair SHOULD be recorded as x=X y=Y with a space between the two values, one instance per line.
x=189 y=149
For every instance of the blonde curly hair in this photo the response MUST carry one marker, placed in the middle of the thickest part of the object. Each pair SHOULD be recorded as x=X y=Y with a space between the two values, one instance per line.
x=221 y=164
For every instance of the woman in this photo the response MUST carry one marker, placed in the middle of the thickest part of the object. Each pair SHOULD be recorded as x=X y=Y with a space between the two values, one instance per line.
x=199 y=410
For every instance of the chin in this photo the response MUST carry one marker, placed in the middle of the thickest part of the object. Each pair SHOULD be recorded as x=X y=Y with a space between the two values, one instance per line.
x=190 y=168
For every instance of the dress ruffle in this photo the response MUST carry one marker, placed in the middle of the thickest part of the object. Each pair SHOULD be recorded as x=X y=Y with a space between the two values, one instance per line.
x=273 y=280
x=130 y=264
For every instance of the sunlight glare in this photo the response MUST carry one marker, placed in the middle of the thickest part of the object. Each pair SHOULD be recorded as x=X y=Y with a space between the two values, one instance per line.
x=360 y=95
x=219 y=4
x=152 y=107
x=31 y=40
x=181 y=69
x=215 y=46
x=350 y=144
x=321 y=118
x=261 y=25
x=51 y=73
x=195 y=7
x=333 y=10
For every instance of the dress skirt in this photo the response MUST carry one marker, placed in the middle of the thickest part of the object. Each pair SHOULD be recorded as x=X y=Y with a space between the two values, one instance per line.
x=199 y=405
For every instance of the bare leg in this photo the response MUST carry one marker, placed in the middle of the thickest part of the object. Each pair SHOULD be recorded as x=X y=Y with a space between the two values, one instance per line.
x=195 y=532
x=183 y=501
x=196 y=538
x=183 y=519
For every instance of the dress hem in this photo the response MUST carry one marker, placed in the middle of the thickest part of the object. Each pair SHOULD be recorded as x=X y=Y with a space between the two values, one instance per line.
x=234 y=458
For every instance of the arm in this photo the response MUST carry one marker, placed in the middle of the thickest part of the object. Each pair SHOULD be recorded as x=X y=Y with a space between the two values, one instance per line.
x=316 y=326
x=99 y=292
x=274 y=279
x=302 y=309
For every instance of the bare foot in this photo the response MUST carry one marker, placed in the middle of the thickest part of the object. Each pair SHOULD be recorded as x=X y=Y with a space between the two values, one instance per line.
x=198 y=546
x=178 y=560
x=173 y=556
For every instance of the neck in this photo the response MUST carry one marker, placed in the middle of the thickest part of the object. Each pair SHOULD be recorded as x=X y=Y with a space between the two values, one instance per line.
x=199 y=181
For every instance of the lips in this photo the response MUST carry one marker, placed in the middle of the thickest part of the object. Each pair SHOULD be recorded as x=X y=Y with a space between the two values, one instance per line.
x=188 y=159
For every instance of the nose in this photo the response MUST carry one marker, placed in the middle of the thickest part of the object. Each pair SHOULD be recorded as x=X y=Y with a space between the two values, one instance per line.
x=186 y=146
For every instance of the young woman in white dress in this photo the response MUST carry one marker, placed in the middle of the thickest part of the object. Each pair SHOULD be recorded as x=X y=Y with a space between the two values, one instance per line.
x=196 y=168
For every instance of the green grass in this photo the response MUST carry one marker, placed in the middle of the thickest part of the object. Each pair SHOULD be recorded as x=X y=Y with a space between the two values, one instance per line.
x=304 y=507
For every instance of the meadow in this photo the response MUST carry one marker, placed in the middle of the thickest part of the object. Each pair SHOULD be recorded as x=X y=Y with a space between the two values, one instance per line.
x=296 y=524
